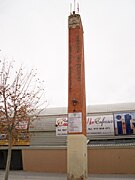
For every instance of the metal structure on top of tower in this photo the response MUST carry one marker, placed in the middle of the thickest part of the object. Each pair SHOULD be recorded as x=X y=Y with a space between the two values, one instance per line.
x=75 y=9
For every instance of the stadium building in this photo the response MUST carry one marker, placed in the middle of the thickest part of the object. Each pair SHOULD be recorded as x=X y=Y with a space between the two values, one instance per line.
x=110 y=144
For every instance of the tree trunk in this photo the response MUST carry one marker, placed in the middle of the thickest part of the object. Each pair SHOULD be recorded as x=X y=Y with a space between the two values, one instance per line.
x=8 y=157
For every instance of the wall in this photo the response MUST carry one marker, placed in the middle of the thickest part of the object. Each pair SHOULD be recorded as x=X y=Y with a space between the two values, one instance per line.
x=112 y=160
x=100 y=160
x=45 y=160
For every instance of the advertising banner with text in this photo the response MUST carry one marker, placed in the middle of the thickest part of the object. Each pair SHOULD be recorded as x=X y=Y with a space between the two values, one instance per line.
x=75 y=122
x=124 y=123
x=100 y=125
x=61 y=126
x=96 y=125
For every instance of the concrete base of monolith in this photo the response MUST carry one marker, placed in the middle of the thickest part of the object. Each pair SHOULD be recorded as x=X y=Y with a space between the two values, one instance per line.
x=76 y=157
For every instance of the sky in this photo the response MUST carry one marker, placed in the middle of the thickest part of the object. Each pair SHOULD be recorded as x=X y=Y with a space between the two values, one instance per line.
x=35 y=33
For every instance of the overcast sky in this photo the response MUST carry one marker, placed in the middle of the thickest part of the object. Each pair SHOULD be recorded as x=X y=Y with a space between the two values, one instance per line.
x=35 y=32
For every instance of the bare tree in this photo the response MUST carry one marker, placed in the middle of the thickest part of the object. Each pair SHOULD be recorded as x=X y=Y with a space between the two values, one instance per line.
x=20 y=100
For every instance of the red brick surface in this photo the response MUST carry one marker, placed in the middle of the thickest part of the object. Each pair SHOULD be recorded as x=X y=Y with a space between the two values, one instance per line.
x=76 y=78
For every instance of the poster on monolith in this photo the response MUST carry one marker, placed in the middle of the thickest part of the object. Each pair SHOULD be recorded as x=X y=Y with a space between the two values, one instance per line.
x=75 y=122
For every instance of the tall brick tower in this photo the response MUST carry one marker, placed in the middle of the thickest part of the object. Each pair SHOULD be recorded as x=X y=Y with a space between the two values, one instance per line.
x=76 y=139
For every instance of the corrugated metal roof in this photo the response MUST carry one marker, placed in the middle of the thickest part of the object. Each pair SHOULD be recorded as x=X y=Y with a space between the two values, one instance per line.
x=93 y=109
x=111 y=108
x=47 y=139
x=54 y=111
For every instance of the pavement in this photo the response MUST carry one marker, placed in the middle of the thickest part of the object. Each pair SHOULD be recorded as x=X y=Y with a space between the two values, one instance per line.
x=22 y=175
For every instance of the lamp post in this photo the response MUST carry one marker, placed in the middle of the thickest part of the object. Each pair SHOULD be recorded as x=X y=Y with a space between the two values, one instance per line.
x=74 y=102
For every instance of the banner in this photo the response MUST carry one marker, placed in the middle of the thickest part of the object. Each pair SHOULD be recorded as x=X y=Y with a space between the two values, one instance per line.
x=124 y=123
x=61 y=126
x=75 y=122
x=100 y=125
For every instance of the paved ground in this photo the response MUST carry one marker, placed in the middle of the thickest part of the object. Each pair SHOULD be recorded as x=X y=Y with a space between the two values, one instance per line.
x=21 y=175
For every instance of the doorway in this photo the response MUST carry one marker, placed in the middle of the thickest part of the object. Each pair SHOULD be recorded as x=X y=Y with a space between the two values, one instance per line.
x=16 y=159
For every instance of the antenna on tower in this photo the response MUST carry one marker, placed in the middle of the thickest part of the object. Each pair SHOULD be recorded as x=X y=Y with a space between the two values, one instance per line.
x=78 y=8
x=74 y=5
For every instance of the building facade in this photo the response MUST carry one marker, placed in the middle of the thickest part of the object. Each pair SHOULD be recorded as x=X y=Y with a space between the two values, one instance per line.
x=110 y=151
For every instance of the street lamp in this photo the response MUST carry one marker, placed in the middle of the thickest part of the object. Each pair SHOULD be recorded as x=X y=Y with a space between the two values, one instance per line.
x=74 y=102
